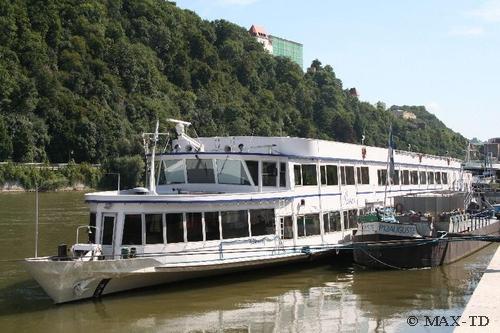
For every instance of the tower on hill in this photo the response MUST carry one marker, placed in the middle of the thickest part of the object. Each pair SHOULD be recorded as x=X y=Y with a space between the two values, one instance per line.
x=278 y=46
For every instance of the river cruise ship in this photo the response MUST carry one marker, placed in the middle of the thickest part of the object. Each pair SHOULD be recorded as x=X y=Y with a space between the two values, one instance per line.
x=216 y=205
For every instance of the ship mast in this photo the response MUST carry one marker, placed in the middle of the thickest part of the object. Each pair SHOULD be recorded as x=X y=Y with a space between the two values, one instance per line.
x=147 y=138
x=152 y=185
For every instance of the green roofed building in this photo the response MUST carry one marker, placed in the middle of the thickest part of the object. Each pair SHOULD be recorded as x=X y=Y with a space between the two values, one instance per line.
x=278 y=46
x=287 y=48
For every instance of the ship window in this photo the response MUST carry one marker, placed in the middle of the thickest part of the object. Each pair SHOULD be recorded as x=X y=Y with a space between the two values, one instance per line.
x=91 y=231
x=200 y=171
x=108 y=230
x=353 y=218
x=395 y=179
x=363 y=175
x=234 y=224
x=269 y=173
x=253 y=168
x=445 y=177
x=331 y=222
x=325 y=223
x=423 y=178
x=332 y=177
x=297 y=172
x=282 y=174
x=414 y=177
x=322 y=170
x=430 y=177
x=382 y=177
x=160 y=173
x=301 y=230
x=287 y=227
x=194 y=227
x=262 y=222
x=347 y=175
x=308 y=225
x=175 y=228
x=438 y=177
x=312 y=224
x=154 y=228
x=406 y=177
x=231 y=172
x=309 y=176
x=172 y=173
x=350 y=219
x=132 y=230
x=212 y=226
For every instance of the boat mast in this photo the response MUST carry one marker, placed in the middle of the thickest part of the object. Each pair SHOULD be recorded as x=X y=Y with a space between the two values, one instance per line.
x=390 y=165
x=152 y=185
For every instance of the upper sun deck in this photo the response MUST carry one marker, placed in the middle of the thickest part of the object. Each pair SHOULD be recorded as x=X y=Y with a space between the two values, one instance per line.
x=220 y=168
x=294 y=148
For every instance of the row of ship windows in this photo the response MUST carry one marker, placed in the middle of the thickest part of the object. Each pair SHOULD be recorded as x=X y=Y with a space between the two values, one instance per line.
x=139 y=229
x=246 y=172
x=305 y=174
x=221 y=171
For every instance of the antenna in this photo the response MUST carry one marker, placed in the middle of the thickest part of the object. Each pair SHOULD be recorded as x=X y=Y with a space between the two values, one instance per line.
x=148 y=138
x=180 y=126
x=152 y=187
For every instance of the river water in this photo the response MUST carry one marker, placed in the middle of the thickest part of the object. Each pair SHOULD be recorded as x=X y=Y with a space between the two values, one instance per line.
x=303 y=298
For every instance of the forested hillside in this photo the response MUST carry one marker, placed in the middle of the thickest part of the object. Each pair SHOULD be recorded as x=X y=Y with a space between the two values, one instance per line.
x=82 y=79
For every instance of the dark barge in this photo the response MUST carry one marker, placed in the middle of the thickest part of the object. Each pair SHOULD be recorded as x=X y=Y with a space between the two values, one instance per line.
x=417 y=242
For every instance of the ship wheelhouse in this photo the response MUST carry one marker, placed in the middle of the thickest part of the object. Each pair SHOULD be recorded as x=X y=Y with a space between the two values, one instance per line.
x=221 y=173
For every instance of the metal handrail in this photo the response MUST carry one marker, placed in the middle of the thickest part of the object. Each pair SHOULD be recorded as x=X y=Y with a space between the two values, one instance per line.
x=84 y=226
x=251 y=241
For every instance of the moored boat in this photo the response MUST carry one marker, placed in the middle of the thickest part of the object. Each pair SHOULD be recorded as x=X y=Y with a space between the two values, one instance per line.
x=418 y=241
x=224 y=204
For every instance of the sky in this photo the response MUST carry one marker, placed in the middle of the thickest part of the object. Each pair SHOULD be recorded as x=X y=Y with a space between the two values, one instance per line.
x=442 y=54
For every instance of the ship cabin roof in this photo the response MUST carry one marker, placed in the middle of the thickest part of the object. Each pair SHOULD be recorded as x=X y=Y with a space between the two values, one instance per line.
x=244 y=164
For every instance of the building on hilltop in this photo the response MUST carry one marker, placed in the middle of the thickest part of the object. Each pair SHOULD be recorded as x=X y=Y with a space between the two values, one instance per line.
x=262 y=37
x=278 y=46
x=406 y=115
x=287 y=48
x=353 y=92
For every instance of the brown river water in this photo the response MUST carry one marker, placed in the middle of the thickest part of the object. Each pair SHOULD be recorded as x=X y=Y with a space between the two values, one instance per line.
x=300 y=298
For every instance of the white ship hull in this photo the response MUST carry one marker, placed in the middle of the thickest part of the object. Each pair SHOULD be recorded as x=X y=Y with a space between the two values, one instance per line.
x=67 y=281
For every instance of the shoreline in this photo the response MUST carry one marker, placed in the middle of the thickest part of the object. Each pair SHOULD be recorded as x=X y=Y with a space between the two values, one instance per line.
x=15 y=188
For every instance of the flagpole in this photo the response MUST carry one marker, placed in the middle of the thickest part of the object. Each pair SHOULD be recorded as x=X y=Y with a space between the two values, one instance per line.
x=387 y=170
x=386 y=178
x=36 y=219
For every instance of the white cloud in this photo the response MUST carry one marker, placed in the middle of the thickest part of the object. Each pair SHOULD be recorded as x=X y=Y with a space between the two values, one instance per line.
x=467 y=31
x=489 y=11
x=236 y=2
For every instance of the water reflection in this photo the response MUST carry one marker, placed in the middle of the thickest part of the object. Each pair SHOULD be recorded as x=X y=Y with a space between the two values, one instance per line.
x=301 y=298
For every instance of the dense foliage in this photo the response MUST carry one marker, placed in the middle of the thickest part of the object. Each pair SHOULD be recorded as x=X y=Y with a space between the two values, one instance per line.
x=74 y=176
x=81 y=79
x=48 y=178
